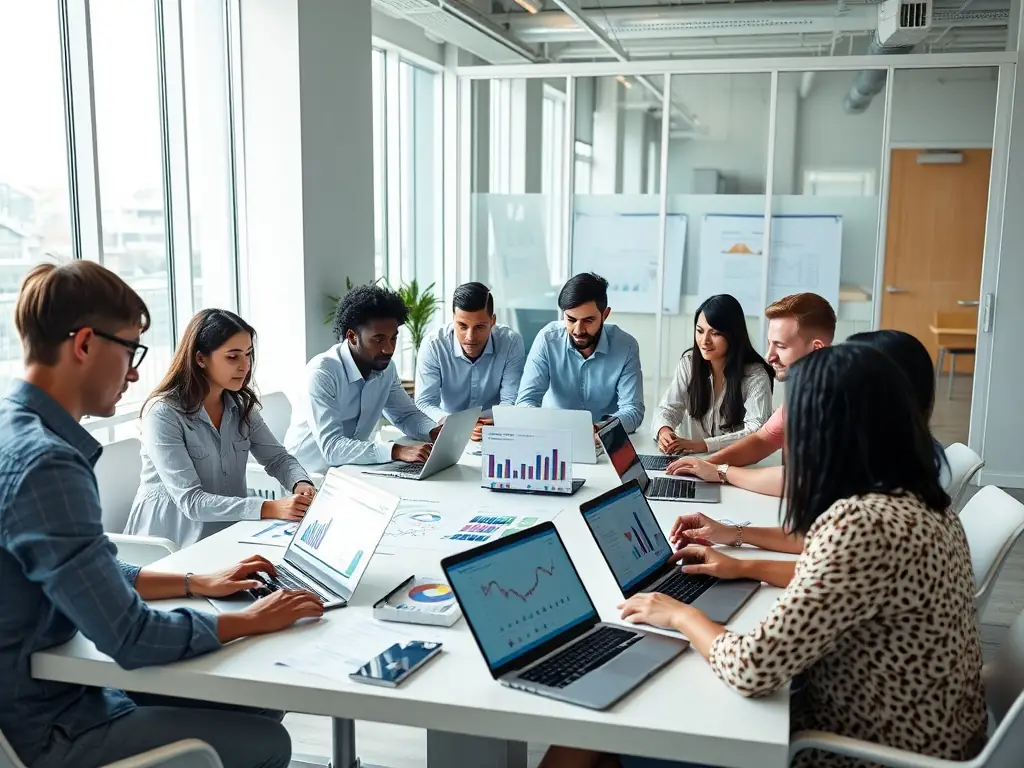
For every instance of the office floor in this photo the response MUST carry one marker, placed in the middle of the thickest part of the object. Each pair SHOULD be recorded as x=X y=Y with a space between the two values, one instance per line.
x=400 y=747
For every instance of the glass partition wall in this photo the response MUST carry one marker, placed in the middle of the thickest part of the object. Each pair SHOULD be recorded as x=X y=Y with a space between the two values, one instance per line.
x=675 y=187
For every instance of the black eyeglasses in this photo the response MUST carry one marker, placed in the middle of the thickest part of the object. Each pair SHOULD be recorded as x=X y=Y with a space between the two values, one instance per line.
x=138 y=351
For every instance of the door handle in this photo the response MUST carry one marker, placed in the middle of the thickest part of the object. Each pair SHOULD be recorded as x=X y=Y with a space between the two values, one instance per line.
x=895 y=289
x=967 y=303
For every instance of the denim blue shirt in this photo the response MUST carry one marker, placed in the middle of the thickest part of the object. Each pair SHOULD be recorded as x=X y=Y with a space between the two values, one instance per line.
x=448 y=382
x=60 y=575
x=334 y=419
x=608 y=383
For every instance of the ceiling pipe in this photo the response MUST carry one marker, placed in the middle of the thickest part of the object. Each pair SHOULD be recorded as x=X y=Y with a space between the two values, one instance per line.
x=482 y=23
x=574 y=11
x=870 y=82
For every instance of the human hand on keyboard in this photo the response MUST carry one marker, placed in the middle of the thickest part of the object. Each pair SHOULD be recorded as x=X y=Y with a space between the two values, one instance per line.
x=655 y=609
x=281 y=609
x=699 y=529
x=413 y=454
x=708 y=562
x=237 y=578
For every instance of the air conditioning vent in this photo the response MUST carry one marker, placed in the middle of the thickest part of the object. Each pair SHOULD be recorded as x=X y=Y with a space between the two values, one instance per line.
x=904 y=22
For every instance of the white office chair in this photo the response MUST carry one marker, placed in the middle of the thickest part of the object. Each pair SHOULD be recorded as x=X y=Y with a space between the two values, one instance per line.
x=1004 y=689
x=117 y=474
x=141 y=550
x=964 y=464
x=277 y=413
x=993 y=521
x=188 y=753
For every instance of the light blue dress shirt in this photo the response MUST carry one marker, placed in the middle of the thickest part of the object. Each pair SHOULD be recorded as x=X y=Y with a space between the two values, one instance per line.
x=193 y=475
x=334 y=420
x=608 y=383
x=448 y=382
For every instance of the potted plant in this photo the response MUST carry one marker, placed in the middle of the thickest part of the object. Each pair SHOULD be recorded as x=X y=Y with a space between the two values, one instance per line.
x=422 y=305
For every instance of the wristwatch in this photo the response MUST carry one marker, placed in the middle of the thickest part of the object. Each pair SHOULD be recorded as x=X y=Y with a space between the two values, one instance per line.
x=722 y=470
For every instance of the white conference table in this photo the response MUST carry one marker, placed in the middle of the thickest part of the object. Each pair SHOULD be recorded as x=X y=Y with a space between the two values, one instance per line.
x=683 y=713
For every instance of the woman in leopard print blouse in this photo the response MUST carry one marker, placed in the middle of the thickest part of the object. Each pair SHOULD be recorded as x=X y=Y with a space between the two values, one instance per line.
x=878 y=617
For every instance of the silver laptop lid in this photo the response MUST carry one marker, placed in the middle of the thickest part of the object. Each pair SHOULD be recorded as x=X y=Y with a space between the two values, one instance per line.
x=451 y=441
x=342 y=527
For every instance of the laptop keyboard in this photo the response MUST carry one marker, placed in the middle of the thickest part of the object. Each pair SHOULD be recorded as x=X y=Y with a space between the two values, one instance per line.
x=284 y=580
x=585 y=655
x=412 y=469
x=686 y=587
x=671 y=488
x=654 y=462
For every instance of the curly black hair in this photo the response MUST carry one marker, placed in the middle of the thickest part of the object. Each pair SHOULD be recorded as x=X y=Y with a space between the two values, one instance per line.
x=365 y=303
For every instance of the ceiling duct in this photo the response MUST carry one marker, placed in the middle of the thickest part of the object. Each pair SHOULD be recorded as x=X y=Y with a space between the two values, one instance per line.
x=901 y=25
x=460 y=24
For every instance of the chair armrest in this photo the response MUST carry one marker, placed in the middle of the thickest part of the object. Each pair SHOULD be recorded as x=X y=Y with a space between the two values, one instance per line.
x=864 y=750
x=188 y=753
x=141 y=550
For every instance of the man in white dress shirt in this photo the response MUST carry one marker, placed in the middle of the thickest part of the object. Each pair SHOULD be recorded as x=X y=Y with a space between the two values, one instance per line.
x=350 y=385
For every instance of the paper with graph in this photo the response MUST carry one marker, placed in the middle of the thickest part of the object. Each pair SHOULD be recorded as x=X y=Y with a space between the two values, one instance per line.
x=442 y=527
x=805 y=255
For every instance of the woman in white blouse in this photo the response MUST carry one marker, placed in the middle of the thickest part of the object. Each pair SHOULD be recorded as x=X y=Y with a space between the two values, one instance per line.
x=198 y=429
x=722 y=388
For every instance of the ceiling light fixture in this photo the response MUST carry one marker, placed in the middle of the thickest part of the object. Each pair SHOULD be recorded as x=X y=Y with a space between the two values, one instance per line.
x=530 y=6
x=623 y=81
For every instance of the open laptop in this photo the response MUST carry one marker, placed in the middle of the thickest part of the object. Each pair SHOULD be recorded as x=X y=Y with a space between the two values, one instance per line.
x=528 y=461
x=628 y=467
x=637 y=553
x=580 y=423
x=537 y=627
x=447 y=450
x=332 y=546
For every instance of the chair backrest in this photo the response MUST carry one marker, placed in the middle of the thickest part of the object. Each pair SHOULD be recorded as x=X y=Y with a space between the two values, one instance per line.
x=993 y=521
x=1004 y=690
x=959 y=319
x=118 y=473
x=141 y=550
x=964 y=464
x=277 y=413
x=8 y=758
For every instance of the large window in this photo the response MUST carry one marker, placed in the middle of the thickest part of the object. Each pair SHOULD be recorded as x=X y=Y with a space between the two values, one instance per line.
x=34 y=209
x=553 y=179
x=130 y=167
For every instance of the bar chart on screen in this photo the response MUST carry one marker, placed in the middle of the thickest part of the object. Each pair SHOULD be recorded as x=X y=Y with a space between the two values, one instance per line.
x=527 y=459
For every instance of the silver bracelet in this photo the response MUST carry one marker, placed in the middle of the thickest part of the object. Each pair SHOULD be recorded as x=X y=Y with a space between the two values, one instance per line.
x=739 y=536
x=188 y=589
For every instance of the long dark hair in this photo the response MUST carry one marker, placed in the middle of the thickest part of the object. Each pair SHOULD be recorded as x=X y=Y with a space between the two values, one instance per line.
x=913 y=359
x=853 y=427
x=723 y=313
x=185 y=385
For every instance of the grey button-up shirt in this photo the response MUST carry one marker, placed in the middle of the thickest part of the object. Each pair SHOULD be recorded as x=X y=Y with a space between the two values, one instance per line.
x=193 y=477
x=334 y=419
x=448 y=382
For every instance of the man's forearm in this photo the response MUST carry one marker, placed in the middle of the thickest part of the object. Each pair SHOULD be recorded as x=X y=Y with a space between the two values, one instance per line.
x=750 y=450
x=154 y=585
x=763 y=480
x=777 y=573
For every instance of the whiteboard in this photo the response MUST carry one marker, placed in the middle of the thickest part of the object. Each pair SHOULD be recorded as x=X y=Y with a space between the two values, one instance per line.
x=623 y=248
x=517 y=259
x=806 y=252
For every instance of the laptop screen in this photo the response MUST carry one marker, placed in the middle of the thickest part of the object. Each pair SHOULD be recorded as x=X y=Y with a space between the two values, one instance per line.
x=622 y=454
x=629 y=536
x=341 y=529
x=518 y=596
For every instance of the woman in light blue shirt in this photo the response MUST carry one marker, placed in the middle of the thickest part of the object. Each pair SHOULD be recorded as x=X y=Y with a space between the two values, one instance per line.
x=198 y=428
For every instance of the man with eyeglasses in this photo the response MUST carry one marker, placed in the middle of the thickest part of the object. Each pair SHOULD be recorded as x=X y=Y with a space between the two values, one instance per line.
x=80 y=327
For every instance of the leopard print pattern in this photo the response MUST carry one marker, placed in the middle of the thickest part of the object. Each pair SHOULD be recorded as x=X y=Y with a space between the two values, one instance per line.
x=880 y=620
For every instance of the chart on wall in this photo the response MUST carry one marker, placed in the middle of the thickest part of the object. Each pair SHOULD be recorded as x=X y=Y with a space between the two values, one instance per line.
x=806 y=252
x=624 y=249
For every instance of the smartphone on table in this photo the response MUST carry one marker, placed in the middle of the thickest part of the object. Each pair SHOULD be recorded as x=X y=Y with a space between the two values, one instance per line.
x=395 y=664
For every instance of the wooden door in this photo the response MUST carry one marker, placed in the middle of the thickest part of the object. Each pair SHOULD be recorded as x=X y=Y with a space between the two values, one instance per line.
x=935 y=238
